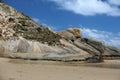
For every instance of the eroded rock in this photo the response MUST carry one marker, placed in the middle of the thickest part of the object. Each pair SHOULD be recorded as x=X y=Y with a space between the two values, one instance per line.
x=70 y=34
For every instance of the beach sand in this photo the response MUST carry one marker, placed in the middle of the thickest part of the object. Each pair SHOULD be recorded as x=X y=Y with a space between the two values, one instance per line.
x=15 y=69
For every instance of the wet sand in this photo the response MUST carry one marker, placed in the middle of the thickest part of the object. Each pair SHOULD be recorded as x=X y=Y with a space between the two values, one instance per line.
x=50 y=70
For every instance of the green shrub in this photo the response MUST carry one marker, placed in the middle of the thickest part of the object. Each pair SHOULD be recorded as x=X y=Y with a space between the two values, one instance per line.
x=22 y=22
x=11 y=19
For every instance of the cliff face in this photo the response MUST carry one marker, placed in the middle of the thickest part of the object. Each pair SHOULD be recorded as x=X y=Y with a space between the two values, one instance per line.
x=14 y=24
x=21 y=37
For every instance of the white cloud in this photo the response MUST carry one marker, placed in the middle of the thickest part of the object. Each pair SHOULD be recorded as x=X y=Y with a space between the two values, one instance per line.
x=90 y=7
x=36 y=20
x=109 y=38
x=119 y=33
x=114 y=2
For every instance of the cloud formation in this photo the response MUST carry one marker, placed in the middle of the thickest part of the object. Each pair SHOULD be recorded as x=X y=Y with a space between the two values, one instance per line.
x=90 y=7
x=108 y=38
x=114 y=2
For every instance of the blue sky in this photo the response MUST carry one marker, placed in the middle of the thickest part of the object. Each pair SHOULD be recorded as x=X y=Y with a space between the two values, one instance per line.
x=99 y=19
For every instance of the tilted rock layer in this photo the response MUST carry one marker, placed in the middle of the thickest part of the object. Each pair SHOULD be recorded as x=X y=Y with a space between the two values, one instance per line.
x=14 y=24
x=21 y=37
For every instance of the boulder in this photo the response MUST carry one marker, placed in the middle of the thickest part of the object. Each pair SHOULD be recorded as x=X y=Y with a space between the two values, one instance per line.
x=71 y=34
x=76 y=32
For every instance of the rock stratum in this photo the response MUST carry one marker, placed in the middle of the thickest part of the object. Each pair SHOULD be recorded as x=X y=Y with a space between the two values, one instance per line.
x=21 y=37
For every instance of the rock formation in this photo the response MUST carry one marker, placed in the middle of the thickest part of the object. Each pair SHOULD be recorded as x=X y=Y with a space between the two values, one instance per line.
x=21 y=37
x=71 y=34
x=14 y=24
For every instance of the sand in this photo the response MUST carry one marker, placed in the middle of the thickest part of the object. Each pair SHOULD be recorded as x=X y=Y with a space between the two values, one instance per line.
x=51 y=70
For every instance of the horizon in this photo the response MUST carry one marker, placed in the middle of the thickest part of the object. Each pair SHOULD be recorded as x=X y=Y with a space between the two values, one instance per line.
x=102 y=24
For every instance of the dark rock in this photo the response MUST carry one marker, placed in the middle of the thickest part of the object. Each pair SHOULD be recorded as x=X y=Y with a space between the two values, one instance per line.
x=95 y=43
x=99 y=46
x=90 y=49
x=93 y=60
x=111 y=51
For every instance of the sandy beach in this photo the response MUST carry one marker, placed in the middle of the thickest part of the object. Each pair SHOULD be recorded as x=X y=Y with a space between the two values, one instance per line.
x=50 y=70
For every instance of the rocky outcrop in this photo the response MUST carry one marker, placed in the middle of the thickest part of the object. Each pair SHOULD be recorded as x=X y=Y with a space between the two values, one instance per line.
x=95 y=43
x=14 y=24
x=111 y=52
x=70 y=34
x=83 y=45
x=21 y=37
x=25 y=49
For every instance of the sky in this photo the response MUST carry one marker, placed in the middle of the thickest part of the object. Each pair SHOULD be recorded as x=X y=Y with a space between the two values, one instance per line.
x=98 y=19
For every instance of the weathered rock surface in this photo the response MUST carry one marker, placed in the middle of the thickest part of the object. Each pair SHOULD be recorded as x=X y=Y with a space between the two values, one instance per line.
x=22 y=48
x=21 y=37
x=70 y=34
x=111 y=51
x=90 y=49
x=14 y=24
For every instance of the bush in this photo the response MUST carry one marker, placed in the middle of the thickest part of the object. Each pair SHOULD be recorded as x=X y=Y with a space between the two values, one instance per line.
x=11 y=19
x=22 y=22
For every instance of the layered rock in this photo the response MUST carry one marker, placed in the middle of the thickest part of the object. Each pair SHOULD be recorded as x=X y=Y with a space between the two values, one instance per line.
x=111 y=52
x=25 y=49
x=21 y=37
x=14 y=24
